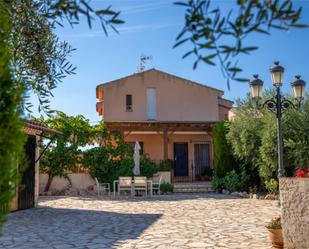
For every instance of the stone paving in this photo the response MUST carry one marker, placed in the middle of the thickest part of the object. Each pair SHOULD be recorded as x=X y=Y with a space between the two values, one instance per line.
x=164 y=222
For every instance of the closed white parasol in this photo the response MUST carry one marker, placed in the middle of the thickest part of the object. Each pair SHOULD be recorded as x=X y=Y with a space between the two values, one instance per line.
x=136 y=156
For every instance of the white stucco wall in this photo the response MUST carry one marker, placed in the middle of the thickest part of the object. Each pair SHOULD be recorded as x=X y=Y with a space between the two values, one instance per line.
x=81 y=181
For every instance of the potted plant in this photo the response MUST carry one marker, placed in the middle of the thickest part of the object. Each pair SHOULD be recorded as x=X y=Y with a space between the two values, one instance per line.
x=275 y=232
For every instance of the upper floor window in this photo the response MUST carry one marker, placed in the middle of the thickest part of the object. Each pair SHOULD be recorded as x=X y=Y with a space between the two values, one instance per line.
x=151 y=104
x=129 y=103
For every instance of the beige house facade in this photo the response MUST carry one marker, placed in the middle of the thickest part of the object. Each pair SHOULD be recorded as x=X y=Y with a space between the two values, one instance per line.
x=171 y=117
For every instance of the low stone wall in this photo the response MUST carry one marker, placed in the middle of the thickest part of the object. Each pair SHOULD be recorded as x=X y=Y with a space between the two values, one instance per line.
x=294 y=194
x=80 y=181
x=166 y=177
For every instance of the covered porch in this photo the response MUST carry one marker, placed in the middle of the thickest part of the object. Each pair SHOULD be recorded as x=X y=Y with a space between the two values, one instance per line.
x=186 y=145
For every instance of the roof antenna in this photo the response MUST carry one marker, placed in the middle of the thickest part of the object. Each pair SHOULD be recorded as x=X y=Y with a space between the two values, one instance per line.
x=142 y=62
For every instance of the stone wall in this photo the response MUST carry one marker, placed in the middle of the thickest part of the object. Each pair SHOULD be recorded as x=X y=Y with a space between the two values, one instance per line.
x=294 y=194
x=80 y=181
x=84 y=183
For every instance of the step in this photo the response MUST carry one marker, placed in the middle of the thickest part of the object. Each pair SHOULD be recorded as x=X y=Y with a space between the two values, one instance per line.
x=190 y=190
x=178 y=185
x=193 y=187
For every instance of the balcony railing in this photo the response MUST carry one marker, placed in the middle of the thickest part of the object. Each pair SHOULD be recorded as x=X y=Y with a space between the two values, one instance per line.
x=193 y=171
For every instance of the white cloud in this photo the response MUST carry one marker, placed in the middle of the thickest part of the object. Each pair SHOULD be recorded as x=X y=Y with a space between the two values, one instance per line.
x=136 y=6
x=144 y=7
x=121 y=30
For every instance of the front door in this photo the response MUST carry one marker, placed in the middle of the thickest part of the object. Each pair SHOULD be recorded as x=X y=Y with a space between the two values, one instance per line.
x=181 y=159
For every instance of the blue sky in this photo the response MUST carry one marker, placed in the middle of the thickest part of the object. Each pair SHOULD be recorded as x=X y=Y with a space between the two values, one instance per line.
x=151 y=27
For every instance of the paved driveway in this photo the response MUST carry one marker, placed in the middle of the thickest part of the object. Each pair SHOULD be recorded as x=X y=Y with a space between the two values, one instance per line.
x=171 y=222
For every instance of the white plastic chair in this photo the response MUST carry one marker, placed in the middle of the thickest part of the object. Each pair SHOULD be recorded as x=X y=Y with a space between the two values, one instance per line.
x=140 y=184
x=156 y=186
x=102 y=187
x=124 y=184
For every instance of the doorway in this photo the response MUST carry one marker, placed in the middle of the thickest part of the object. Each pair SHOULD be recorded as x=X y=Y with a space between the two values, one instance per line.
x=181 y=159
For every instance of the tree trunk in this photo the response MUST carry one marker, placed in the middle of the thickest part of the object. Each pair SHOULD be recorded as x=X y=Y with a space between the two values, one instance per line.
x=49 y=181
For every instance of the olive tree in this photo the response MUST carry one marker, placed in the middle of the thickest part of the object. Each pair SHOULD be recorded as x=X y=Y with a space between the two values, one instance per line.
x=32 y=59
x=219 y=37
x=253 y=137
x=64 y=152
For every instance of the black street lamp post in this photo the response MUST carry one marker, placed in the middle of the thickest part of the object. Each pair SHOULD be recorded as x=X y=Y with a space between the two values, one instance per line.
x=278 y=103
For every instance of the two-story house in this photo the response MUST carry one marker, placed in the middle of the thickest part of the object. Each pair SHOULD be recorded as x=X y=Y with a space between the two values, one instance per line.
x=169 y=116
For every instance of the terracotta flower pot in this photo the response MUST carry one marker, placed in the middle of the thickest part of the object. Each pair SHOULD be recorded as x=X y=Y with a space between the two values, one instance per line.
x=276 y=237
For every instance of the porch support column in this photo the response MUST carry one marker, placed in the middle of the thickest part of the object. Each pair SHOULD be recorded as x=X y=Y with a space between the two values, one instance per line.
x=165 y=144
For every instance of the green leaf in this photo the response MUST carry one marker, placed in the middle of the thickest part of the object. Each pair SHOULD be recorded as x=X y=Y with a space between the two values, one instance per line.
x=187 y=54
x=195 y=64
x=207 y=59
x=105 y=12
x=117 y=21
x=180 y=42
x=250 y=48
x=235 y=69
x=227 y=49
x=241 y=79
x=181 y=34
x=246 y=50
x=209 y=45
x=181 y=4
x=221 y=24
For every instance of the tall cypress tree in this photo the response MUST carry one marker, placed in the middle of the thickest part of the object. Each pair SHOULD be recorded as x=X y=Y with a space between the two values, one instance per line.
x=223 y=157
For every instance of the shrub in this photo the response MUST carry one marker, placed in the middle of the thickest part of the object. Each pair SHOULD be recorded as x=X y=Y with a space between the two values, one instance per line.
x=109 y=171
x=165 y=165
x=217 y=183
x=231 y=181
x=148 y=168
x=253 y=190
x=244 y=180
x=272 y=186
x=166 y=187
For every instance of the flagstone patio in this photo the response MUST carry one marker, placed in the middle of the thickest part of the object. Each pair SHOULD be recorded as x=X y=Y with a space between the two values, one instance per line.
x=173 y=221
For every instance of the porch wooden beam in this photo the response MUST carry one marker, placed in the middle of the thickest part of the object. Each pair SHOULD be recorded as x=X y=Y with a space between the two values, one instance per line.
x=127 y=134
x=159 y=126
x=154 y=128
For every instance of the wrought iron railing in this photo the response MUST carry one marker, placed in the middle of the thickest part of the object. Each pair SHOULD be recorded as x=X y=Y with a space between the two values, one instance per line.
x=194 y=172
